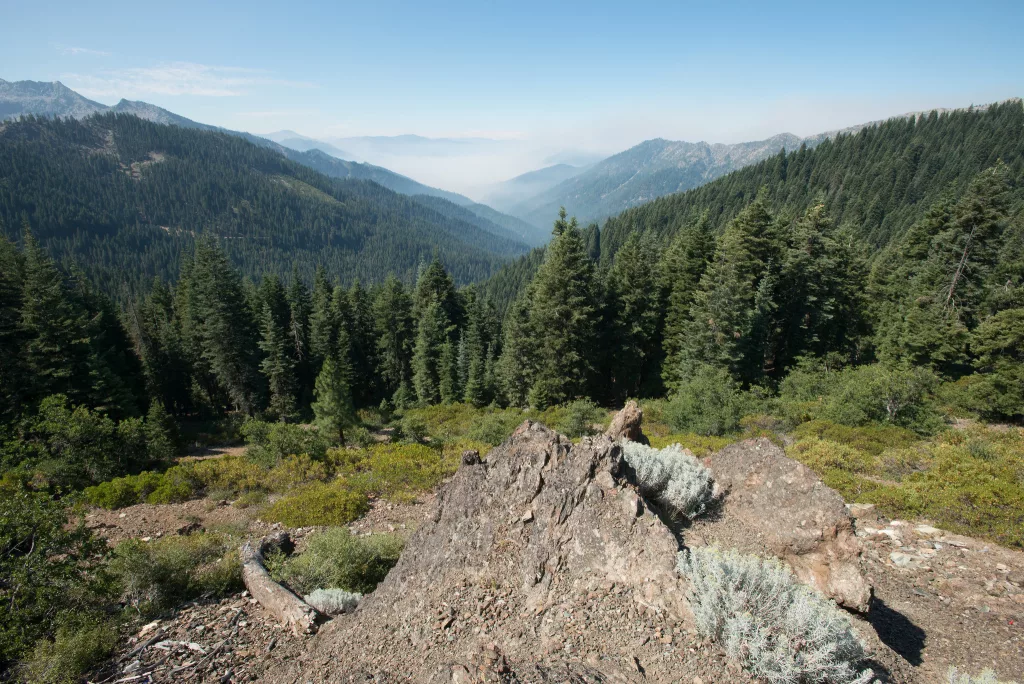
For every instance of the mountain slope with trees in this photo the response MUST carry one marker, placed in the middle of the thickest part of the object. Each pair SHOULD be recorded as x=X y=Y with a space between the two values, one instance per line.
x=126 y=197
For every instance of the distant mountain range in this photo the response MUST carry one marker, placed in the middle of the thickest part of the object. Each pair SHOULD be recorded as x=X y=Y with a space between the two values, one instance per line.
x=22 y=98
x=652 y=169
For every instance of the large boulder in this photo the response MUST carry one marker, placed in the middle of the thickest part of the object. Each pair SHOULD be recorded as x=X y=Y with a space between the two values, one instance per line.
x=776 y=506
x=540 y=559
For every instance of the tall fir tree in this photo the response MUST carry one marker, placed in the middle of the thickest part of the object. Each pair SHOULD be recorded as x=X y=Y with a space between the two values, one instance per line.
x=13 y=377
x=679 y=273
x=564 y=317
x=300 y=308
x=277 y=344
x=432 y=337
x=323 y=320
x=394 y=327
x=359 y=323
x=332 y=408
x=634 y=312
x=720 y=330
x=515 y=371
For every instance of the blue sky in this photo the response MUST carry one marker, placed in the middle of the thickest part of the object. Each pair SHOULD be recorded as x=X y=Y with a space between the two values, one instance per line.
x=594 y=74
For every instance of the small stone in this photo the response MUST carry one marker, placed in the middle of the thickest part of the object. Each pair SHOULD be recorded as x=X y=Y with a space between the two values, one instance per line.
x=927 y=530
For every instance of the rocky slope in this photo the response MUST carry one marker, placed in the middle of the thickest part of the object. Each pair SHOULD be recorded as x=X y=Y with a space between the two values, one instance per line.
x=542 y=562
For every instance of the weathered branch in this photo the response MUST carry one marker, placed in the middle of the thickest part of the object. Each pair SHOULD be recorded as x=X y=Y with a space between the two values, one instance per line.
x=291 y=610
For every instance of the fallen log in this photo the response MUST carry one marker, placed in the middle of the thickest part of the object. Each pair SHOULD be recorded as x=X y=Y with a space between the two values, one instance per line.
x=291 y=610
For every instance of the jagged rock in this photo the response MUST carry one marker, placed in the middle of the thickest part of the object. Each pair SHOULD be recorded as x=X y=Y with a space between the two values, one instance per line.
x=584 y=574
x=776 y=505
x=626 y=424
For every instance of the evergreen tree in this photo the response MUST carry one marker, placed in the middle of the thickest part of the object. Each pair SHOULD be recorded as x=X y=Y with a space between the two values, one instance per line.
x=679 y=273
x=448 y=373
x=323 y=320
x=13 y=378
x=359 y=323
x=393 y=324
x=634 y=312
x=999 y=344
x=161 y=434
x=227 y=333
x=277 y=344
x=300 y=309
x=564 y=315
x=56 y=345
x=333 y=405
x=431 y=339
x=477 y=345
x=515 y=367
x=720 y=331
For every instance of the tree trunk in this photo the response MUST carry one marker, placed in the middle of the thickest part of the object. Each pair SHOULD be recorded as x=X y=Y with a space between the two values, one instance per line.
x=284 y=605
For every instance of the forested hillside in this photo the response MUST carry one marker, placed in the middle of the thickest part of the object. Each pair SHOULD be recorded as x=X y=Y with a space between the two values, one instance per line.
x=876 y=182
x=125 y=198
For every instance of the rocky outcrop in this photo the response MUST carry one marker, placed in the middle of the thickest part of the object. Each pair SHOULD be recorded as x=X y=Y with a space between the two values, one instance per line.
x=627 y=424
x=541 y=558
x=775 y=505
x=543 y=562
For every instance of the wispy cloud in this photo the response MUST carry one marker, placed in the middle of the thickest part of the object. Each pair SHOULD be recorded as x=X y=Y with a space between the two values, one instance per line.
x=71 y=50
x=176 y=78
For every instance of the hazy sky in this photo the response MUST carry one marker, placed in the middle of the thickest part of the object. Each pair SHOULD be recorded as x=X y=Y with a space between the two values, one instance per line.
x=591 y=75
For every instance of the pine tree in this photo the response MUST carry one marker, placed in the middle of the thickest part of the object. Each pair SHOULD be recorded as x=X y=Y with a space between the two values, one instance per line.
x=333 y=405
x=448 y=373
x=13 y=378
x=323 y=321
x=999 y=344
x=634 y=312
x=720 y=331
x=431 y=338
x=56 y=348
x=564 y=316
x=393 y=323
x=227 y=332
x=300 y=309
x=515 y=367
x=277 y=344
x=679 y=274
x=161 y=434
x=476 y=346
x=359 y=323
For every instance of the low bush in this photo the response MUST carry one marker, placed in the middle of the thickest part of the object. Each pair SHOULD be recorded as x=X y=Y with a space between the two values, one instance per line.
x=771 y=625
x=709 y=402
x=333 y=601
x=579 y=419
x=318 y=504
x=700 y=445
x=48 y=570
x=250 y=499
x=78 y=646
x=494 y=427
x=155 y=576
x=968 y=481
x=336 y=559
x=672 y=475
x=123 y=491
x=270 y=443
x=986 y=677
x=873 y=439
x=397 y=471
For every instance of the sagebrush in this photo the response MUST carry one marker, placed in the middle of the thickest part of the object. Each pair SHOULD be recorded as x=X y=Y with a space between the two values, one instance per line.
x=333 y=601
x=774 y=627
x=672 y=475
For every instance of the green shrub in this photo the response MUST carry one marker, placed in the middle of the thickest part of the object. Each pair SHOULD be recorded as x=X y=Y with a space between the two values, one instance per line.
x=335 y=559
x=123 y=491
x=250 y=499
x=876 y=394
x=873 y=439
x=78 y=646
x=578 y=419
x=399 y=471
x=413 y=428
x=47 y=568
x=494 y=427
x=156 y=576
x=318 y=504
x=270 y=443
x=709 y=402
x=700 y=445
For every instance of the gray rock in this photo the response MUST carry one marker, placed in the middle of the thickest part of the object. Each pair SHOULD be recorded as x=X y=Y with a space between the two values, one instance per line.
x=783 y=507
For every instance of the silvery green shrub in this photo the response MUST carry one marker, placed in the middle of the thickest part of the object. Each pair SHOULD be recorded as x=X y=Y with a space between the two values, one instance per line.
x=986 y=677
x=672 y=475
x=333 y=601
x=774 y=627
